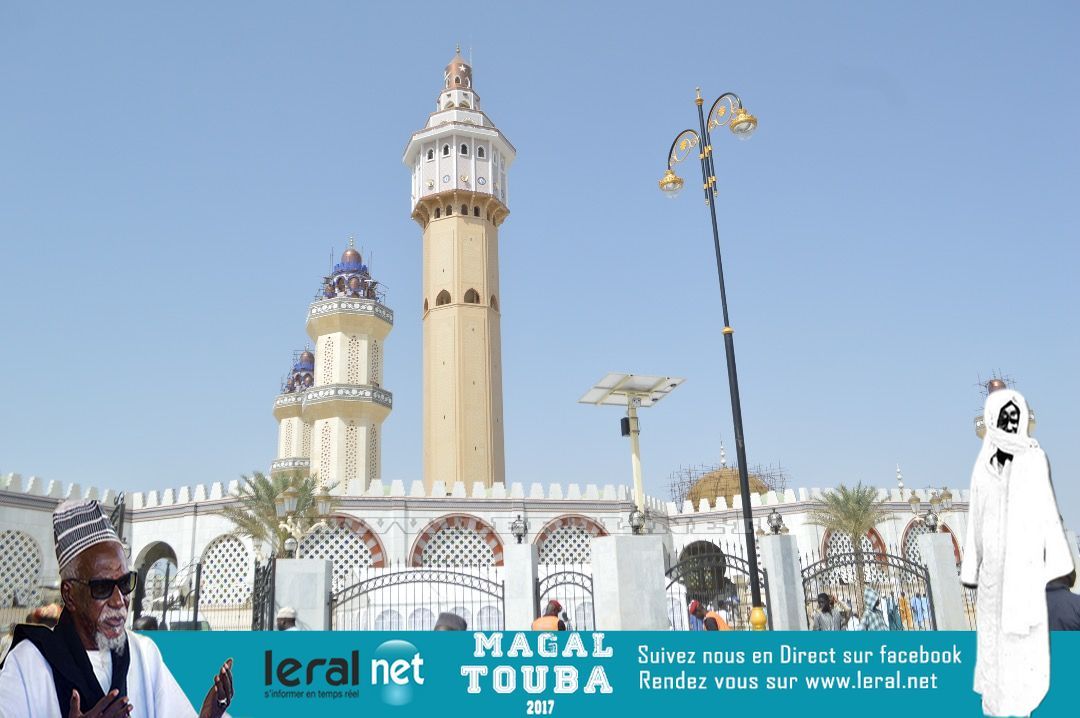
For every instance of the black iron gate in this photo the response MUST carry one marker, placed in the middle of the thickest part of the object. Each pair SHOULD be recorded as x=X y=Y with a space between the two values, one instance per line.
x=902 y=585
x=262 y=596
x=572 y=587
x=721 y=581
x=411 y=598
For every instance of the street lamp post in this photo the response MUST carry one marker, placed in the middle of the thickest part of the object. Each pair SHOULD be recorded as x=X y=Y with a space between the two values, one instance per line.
x=728 y=112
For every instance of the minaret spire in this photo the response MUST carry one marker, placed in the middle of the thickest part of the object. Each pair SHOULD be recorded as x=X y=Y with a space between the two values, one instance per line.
x=459 y=165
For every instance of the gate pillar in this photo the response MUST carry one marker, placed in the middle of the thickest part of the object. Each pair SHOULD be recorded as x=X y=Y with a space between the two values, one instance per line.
x=304 y=584
x=945 y=589
x=519 y=570
x=780 y=559
x=629 y=583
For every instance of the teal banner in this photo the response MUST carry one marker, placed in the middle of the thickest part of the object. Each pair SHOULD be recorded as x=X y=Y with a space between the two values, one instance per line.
x=579 y=674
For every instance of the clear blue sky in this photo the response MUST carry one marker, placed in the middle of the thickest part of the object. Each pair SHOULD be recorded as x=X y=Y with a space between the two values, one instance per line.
x=172 y=180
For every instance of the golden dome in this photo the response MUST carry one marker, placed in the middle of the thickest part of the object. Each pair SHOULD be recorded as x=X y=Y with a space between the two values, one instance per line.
x=723 y=482
x=350 y=256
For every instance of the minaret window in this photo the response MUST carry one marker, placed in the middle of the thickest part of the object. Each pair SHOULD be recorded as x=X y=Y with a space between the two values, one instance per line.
x=465 y=210
x=457 y=80
x=475 y=211
x=494 y=303
x=442 y=298
x=472 y=297
x=431 y=154
x=480 y=152
x=438 y=213
x=465 y=149
x=446 y=150
x=449 y=210
x=425 y=305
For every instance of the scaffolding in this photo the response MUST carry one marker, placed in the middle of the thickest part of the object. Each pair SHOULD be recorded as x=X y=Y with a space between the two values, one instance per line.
x=685 y=478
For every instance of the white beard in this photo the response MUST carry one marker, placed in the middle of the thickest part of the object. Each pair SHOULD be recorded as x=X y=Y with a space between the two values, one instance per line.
x=118 y=644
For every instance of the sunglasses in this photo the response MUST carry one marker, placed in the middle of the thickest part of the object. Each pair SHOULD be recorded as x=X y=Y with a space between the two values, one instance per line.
x=102 y=588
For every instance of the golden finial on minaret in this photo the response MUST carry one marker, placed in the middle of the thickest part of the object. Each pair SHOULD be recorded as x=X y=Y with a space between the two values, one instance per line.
x=352 y=242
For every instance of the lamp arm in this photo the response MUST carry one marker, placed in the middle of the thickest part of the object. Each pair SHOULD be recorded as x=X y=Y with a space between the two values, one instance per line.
x=733 y=101
x=692 y=141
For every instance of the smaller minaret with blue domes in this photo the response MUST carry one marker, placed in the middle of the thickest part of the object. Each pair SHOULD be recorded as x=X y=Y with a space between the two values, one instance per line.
x=334 y=399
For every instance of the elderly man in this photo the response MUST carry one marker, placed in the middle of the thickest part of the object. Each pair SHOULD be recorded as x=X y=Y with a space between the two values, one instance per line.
x=90 y=666
x=286 y=619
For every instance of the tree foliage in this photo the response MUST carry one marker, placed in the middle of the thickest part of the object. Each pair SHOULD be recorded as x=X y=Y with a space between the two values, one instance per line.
x=853 y=511
x=255 y=512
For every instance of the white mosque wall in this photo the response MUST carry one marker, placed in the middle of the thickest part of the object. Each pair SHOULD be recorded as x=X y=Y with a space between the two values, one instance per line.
x=189 y=519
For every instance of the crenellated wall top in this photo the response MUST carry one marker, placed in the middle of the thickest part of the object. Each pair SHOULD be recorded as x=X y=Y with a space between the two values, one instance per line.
x=440 y=491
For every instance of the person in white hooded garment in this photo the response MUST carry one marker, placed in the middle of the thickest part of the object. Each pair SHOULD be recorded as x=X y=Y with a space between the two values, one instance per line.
x=90 y=666
x=1015 y=544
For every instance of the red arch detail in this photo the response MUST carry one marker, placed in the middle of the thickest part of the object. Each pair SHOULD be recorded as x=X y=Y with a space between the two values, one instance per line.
x=464 y=521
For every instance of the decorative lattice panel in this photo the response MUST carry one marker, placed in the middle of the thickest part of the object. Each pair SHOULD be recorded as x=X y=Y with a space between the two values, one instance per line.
x=343 y=546
x=226 y=572
x=457 y=546
x=20 y=569
x=375 y=367
x=324 y=447
x=352 y=369
x=840 y=543
x=566 y=544
x=911 y=542
x=327 y=356
x=373 y=453
x=352 y=437
x=287 y=440
x=305 y=442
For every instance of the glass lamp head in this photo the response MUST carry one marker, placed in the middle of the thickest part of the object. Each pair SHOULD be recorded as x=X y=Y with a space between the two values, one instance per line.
x=671 y=184
x=290 y=546
x=279 y=505
x=637 y=521
x=914 y=502
x=292 y=498
x=743 y=124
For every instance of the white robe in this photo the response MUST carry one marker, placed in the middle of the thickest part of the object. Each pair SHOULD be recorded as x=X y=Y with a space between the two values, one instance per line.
x=27 y=689
x=1015 y=544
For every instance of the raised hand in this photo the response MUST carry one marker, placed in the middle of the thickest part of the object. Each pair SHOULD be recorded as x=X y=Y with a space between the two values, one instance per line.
x=111 y=706
x=220 y=694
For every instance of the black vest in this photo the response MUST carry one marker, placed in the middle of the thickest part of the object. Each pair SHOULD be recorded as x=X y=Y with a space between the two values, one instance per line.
x=71 y=669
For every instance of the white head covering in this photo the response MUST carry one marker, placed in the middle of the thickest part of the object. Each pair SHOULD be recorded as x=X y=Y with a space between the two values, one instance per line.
x=78 y=525
x=1033 y=532
x=287 y=612
x=996 y=438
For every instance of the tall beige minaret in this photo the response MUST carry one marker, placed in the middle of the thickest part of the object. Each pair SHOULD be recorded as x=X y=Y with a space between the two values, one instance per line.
x=459 y=197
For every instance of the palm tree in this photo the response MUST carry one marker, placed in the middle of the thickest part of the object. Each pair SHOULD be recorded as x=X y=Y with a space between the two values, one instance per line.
x=255 y=513
x=852 y=511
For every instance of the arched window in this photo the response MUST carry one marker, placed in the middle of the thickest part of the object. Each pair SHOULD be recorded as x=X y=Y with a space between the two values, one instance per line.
x=431 y=154
x=449 y=210
x=438 y=213
x=465 y=210
x=494 y=303
x=475 y=211
x=446 y=150
x=425 y=305
x=464 y=149
x=457 y=80
x=443 y=298
x=480 y=152
x=472 y=297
